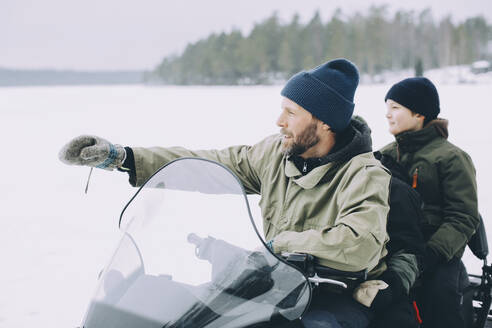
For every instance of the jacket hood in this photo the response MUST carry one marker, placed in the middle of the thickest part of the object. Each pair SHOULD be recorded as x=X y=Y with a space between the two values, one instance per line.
x=354 y=140
x=441 y=126
x=411 y=141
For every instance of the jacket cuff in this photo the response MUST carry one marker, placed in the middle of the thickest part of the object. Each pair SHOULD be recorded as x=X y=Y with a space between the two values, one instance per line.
x=128 y=166
x=277 y=246
x=269 y=244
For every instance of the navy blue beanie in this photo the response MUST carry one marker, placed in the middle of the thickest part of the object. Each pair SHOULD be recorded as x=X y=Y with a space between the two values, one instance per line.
x=326 y=91
x=417 y=94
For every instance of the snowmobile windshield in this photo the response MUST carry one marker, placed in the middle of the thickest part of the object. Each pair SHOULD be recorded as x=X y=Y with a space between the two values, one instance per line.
x=191 y=256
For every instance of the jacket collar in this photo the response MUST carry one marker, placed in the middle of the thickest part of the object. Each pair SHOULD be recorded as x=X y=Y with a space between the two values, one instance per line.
x=411 y=141
x=309 y=180
x=359 y=142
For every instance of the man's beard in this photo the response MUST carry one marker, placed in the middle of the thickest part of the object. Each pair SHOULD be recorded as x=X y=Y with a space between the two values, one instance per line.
x=305 y=140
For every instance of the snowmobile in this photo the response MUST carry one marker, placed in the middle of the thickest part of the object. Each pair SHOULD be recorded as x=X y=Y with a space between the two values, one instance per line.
x=192 y=255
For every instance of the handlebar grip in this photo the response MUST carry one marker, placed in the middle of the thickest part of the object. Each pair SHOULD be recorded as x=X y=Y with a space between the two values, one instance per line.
x=324 y=271
x=194 y=239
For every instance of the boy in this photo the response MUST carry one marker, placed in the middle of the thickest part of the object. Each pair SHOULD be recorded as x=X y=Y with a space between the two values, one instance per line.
x=444 y=176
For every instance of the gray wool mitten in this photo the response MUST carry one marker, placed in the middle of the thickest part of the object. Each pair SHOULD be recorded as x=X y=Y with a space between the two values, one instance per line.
x=92 y=151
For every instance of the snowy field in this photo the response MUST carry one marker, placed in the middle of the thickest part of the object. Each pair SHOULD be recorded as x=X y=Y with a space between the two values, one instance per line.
x=54 y=239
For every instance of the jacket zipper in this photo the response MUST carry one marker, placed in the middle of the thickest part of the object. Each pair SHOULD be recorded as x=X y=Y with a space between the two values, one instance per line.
x=304 y=167
x=415 y=177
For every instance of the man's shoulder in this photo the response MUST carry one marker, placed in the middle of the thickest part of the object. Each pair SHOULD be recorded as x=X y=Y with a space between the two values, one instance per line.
x=274 y=140
x=364 y=176
x=267 y=153
x=366 y=160
x=270 y=146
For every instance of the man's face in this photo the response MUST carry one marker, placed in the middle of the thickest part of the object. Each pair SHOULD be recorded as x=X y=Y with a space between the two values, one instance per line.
x=401 y=119
x=299 y=128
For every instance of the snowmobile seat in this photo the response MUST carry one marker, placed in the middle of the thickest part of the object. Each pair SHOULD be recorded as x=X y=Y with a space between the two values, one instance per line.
x=480 y=287
x=478 y=242
x=477 y=296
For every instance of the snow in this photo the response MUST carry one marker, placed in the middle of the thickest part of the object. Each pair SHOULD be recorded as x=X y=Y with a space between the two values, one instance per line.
x=462 y=74
x=55 y=239
x=481 y=64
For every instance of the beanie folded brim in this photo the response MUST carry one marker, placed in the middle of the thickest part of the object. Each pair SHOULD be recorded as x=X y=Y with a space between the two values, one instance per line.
x=325 y=103
x=404 y=96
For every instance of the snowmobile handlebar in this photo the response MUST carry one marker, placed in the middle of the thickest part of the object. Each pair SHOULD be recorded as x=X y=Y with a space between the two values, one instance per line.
x=194 y=239
x=324 y=271
x=203 y=246
x=318 y=273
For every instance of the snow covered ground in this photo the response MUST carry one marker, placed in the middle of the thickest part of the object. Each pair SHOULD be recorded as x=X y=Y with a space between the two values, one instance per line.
x=451 y=75
x=54 y=239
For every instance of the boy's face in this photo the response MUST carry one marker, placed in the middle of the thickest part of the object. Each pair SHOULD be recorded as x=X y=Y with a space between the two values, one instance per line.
x=401 y=119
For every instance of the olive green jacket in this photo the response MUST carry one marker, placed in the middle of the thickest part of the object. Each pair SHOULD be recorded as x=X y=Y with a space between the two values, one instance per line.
x=444 y=176
x=337 y=212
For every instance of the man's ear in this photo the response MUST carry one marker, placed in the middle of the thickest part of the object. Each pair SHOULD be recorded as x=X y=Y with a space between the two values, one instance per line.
x=325 y=127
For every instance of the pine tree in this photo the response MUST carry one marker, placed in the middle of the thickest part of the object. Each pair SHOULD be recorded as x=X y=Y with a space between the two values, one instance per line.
x=374 y=41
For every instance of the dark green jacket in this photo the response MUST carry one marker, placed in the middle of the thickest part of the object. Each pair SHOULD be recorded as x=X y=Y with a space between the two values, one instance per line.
x=444 y=176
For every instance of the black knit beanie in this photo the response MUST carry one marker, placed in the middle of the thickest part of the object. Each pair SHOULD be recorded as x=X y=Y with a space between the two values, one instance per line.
x=417 y=94
x=326 y=91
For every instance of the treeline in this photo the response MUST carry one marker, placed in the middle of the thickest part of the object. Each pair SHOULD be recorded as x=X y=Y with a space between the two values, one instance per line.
x=374 y=41
x=15 y=77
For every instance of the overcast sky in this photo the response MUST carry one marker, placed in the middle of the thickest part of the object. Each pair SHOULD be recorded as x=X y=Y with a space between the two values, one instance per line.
x=131 y=34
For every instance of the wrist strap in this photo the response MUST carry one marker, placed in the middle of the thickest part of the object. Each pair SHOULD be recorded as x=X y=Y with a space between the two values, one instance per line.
x=111 y=157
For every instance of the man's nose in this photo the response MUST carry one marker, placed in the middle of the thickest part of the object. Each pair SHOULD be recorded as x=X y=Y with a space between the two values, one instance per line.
x=281 y=121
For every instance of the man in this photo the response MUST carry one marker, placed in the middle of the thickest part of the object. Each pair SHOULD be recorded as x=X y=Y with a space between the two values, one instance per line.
x=322 y=191
x=444 y=176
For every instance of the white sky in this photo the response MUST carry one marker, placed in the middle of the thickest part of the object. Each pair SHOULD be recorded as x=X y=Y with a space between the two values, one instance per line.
x=131 y=34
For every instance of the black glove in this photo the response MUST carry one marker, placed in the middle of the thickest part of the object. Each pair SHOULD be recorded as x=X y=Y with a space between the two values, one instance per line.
x=393 y=293
x=432 y=260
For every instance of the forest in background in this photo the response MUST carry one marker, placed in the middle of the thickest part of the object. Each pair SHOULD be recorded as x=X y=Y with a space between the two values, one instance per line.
x=375 y=41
